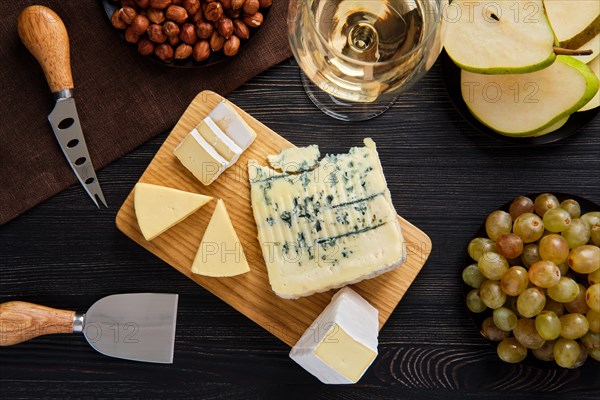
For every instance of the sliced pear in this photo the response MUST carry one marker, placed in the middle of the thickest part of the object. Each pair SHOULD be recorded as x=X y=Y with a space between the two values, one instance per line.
x=595 y=101
x=504 y=37
x=593 y=45
x=583 y=37
x=159 y=208
x=526 y=104
x=569 y=18
x=552 y=127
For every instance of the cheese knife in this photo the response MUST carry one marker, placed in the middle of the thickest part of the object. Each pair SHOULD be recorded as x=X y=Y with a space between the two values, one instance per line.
x=45 y=36
x=135 y=326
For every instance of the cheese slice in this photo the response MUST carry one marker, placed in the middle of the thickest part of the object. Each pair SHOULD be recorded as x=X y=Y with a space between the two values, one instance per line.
x=326 y=228
x=296 y=159
x=219 y=140
x=341 y=343
x=158 y=208
x=200 y=158
x=230 y=122
x=220 y=253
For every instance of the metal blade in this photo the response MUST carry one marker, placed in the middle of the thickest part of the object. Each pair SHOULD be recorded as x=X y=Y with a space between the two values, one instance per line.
x=67 y=129
x=139 y=327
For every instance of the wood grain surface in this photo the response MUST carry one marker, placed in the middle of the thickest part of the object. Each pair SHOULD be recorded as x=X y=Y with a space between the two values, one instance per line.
x=251 y=293
x=444 y=176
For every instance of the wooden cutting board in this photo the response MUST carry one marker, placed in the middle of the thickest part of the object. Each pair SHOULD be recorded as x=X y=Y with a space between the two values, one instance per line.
x=251 y=293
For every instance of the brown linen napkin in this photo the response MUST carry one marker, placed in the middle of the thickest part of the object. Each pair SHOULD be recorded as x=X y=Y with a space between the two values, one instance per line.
x=122 y=98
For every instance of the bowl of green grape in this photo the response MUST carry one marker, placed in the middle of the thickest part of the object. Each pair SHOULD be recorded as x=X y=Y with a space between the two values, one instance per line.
x=532 y=280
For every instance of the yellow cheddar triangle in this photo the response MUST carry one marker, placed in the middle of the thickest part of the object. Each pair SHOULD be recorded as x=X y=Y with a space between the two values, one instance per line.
x=220 y=253
x=158 y=208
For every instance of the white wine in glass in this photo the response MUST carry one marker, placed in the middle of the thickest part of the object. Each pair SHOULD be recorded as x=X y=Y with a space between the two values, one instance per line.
x=357 y=56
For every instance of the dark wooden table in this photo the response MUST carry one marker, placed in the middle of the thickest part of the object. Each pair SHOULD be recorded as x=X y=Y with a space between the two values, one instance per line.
x=444 y=176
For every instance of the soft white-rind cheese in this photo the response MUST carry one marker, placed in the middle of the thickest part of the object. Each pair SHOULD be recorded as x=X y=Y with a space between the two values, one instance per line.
x=341 y=343
x=233 y=124
x=200 y=158
x=219 y=140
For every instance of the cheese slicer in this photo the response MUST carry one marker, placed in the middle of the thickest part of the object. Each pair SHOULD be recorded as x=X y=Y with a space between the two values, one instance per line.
x=44 y=34
x=135 y=326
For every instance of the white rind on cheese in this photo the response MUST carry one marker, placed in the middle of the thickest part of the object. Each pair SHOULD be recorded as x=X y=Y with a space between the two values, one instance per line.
x=347 y=328
x=326 y=228
x=230 y=122
x=219 y=140
x=200 y=158
x=296 y=159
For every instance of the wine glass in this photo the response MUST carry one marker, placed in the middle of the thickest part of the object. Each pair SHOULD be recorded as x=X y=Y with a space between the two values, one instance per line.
x=359 y=55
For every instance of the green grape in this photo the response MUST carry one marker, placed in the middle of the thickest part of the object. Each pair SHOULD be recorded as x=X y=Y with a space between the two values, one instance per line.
x=492 y=265
x=511 y=304
x=474 y=302
x=545 y=353
x=554 y=248
x=566 y=352
x=592 y=297
x=548 y=325
x=584 y=259
x=595 y=234
x=563 y=268
x=531 y=302
x=509 y=245
x=514 y=281
x=583 y=353
x=595 y=354
x=544 y=274
x=591 y=218
x=593 y=318
x=557 y=220
x=479 y=246
x=554 y=306
x=530 y=255
x=529 y=227
x=578 y=305
x=472 y=277
x=490 y=331
x=564 y=291
x=573 y=326
x=594 y=277
x=577 y=234
x=505 y=319
x=498 y=223
x=526 y=333
x=572 y=207
x=545 y=202
x=591 y=340
x=520 y=205
x=511 y=351
x=491 y=294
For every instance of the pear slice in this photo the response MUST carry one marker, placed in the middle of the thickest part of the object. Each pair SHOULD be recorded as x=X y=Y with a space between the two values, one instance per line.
x=593 y=45
x=526 y=104
x=569 y=18
x=503 y=37
x=552 y=127
x=595 y=101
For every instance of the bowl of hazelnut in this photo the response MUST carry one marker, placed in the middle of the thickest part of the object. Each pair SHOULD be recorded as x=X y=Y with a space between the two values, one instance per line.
x=187 y=33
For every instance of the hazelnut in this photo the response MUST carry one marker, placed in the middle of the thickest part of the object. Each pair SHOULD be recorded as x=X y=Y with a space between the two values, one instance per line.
x=127 y=14
x=177 y=14
x=173 y=41
x=164 y=52
x=225 y=27
x=216 y=41
x=145 y=47
x=156 y=16
x=227 y=4
x=201 y=50
x=160 y=4
x=198 y=17
x=237 y=4
x=233 y=14
x=191 y=6
x=131 y=36
x=183 y=51
x=176 y=2
x=231 y=46
x=156 y=34
x=253 y=21
x=241 y=29
x=143 y=4
x=116 y=20
x=265 y=3
x=214 y=11
x=251 y=7
x=128 y=3
x=204 y=29
x=171 y=29
x=188 y=34
x=140 y=24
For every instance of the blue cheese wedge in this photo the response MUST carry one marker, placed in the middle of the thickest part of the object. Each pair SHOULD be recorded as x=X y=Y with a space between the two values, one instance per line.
x=328 y=227
x=296 y=159
x=341 y=343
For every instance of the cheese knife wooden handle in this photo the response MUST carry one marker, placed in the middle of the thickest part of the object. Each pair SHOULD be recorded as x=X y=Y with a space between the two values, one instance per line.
x=44 y=34
x=21 y=321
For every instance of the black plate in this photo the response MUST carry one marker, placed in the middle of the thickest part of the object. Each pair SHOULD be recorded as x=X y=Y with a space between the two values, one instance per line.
x=451 y=77
x=586 y=206
x=215 y=57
